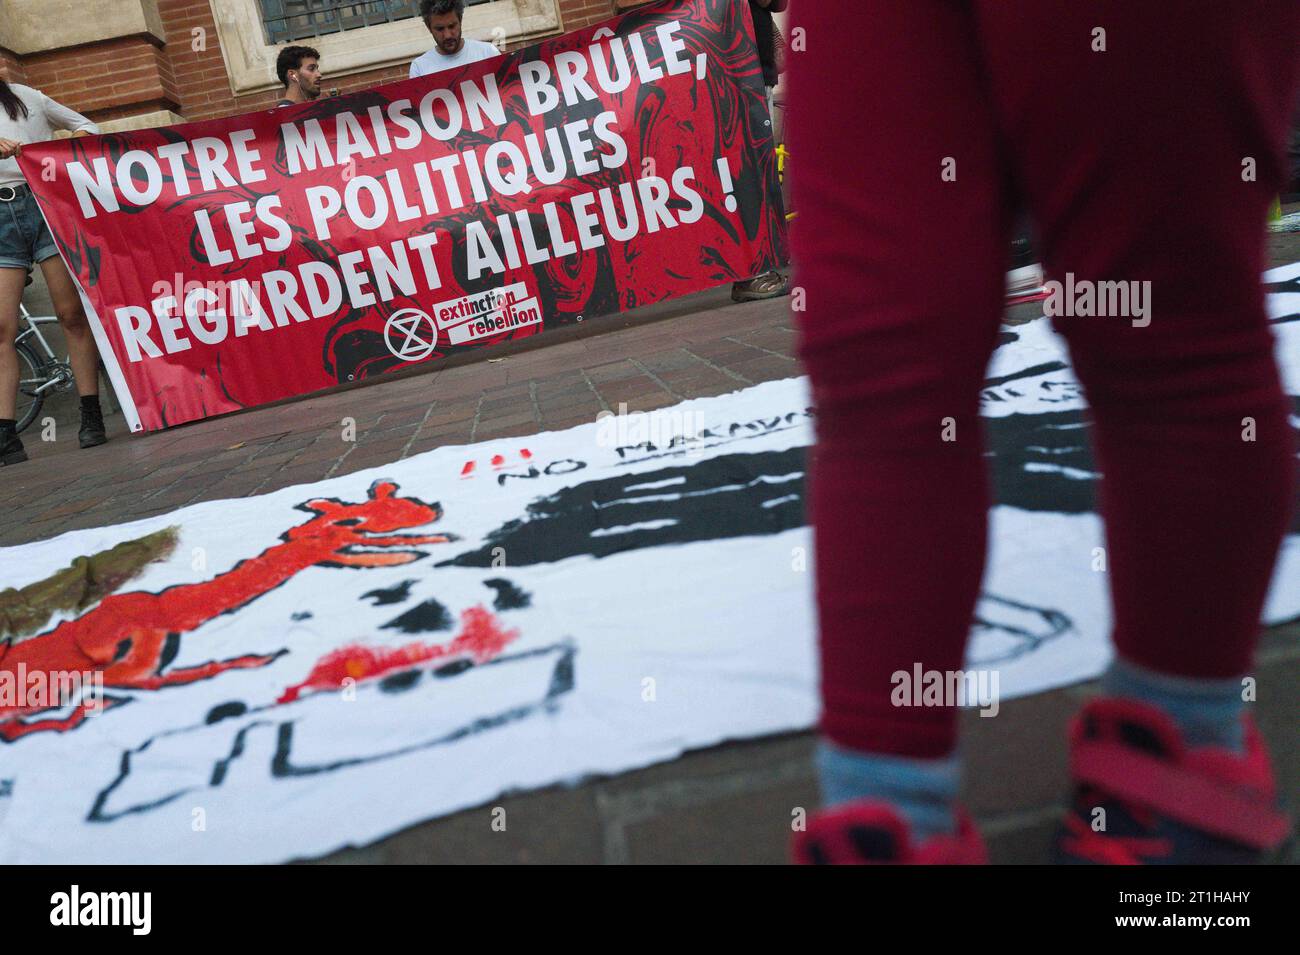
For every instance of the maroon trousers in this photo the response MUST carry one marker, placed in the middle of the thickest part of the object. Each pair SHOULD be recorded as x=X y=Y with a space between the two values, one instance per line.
x=1151 y=160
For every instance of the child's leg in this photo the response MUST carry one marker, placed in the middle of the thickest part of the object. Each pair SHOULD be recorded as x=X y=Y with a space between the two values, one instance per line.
x=901 y=249
x=1149 y=154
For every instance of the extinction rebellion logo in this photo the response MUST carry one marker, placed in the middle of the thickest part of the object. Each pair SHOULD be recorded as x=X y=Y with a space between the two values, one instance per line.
x=410 y=335
x=484 y=314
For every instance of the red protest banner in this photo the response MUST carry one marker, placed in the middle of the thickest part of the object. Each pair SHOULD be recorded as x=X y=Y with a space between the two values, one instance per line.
x=239 y=261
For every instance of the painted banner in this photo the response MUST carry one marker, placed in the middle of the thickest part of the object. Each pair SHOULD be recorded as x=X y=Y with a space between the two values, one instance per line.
x=275 y=677
x=230 y=263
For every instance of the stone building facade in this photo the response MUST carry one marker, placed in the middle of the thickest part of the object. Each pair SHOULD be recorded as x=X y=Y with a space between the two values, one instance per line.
x=129 y=64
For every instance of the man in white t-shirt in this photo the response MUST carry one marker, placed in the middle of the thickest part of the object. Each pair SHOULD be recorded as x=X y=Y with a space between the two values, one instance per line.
x=443 y=18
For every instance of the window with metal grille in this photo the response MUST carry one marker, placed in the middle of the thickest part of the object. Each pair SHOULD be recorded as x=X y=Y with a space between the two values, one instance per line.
x=288 y=20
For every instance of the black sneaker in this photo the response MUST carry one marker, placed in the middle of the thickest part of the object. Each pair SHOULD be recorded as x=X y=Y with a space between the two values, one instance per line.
x=1022 y=252
x=92 y=427
x=11 y=448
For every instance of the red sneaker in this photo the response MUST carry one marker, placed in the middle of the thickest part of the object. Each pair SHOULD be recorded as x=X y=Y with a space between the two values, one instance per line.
x=1165 y=803
x=874 y=833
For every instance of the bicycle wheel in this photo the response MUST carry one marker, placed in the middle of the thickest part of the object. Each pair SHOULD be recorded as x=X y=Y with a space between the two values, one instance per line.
x=30 y=377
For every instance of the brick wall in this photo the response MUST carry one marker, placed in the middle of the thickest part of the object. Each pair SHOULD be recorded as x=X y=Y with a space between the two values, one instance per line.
x=11 y=68
x=120 y=77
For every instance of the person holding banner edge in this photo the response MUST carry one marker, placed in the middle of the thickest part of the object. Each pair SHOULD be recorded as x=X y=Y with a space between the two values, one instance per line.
x=29 y=116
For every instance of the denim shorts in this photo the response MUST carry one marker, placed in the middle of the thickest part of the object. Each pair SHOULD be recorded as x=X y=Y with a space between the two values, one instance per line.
x=24 y=237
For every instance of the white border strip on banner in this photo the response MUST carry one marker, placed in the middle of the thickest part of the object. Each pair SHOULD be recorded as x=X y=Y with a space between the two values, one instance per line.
x=106 y=354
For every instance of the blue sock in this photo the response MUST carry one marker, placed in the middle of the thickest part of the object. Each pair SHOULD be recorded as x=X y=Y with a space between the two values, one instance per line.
x=922 y=790
x=1207 y=711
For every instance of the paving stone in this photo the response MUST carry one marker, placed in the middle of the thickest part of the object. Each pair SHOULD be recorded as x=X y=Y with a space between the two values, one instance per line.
x=649 y=402
x=612 y=371
x=494 y=422
x=512 y=829
x=449 y=415
x=767 y=368
x=575 y=399
x=511 y=432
